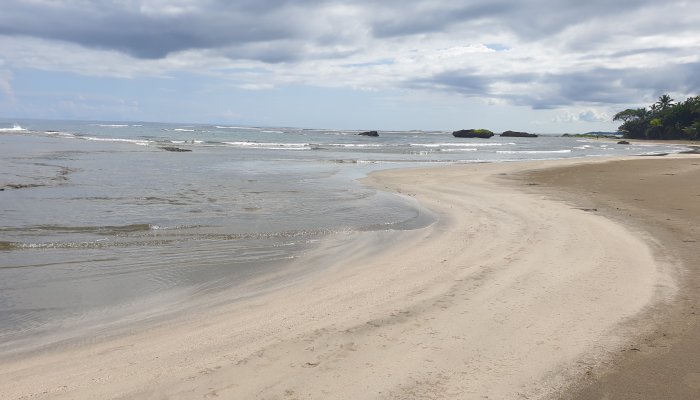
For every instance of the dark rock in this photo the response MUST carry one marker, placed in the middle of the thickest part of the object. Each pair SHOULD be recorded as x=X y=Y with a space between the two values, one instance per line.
x=174 y=149
x=623 y=142
x=473 y=133
x=517 y=134
x=369 y=133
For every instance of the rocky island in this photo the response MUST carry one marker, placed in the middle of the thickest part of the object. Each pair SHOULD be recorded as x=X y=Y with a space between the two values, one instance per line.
x=518 y=134
x=473 y=133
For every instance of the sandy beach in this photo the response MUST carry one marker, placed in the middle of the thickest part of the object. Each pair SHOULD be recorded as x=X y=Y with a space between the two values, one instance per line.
x=536 y=277
x=660 y=198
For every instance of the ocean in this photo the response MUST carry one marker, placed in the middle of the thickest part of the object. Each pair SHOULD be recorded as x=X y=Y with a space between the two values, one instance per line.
x=105 y=225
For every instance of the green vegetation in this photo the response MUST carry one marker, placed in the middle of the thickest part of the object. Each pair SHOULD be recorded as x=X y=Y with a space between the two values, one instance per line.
x=663 y=120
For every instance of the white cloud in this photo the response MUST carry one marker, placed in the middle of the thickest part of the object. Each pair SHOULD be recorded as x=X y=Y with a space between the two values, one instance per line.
x=587 y=115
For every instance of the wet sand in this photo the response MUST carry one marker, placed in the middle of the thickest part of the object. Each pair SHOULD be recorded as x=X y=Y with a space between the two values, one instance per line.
x=658 y=197
x=513 y=293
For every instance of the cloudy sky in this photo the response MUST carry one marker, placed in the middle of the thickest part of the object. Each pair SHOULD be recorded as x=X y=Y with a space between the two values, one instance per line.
x=536 y=65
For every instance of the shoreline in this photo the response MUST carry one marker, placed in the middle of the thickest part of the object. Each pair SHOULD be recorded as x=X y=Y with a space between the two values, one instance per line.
x=475 y=304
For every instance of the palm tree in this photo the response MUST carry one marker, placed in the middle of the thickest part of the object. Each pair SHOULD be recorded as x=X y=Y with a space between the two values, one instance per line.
x=641 y=113
x=665 y=101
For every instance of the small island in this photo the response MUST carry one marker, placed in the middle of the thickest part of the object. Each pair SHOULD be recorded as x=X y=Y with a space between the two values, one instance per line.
x=473 y=133
x=518 y=134
x=369 y=133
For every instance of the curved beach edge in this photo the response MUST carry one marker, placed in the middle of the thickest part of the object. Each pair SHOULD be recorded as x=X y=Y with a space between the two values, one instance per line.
x=511 y=293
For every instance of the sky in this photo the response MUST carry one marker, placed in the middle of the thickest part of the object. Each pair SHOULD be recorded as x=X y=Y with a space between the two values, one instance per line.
x=533 y=65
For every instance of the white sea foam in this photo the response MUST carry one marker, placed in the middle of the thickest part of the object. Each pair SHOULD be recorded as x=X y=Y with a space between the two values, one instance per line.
x=139 y=142
x=15 y=128
x=113 y=125
x=183 y=130
x=270 y=146
x=457 y=150
x=348 y=145
x=533 y=151
x=237 y=127
x=62 y=134
x=460 y=144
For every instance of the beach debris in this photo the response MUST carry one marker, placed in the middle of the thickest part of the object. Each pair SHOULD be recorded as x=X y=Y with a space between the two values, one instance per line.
x=623 y=142
x=369 y=133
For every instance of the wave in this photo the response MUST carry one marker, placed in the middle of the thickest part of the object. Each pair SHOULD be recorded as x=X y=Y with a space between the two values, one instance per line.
x=360 y=145
x=183 y=130
x=271 y=146
x=140 y=142
x=15 y=128
x=433 y=145
x=533 y=151
x=246 y=128
x=61 y=134
x=457 y=150
x=113 y=125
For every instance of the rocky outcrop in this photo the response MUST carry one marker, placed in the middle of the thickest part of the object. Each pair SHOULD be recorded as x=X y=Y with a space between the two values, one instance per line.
x=623 y=142
x=174 y=149
x=517 y=134
x=473 y=133
x=369 y=133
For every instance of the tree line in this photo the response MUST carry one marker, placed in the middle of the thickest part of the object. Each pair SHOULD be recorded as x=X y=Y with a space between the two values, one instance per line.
x=664 y=119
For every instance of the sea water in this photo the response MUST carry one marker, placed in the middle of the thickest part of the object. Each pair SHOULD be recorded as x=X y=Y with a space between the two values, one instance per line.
x=103 y=223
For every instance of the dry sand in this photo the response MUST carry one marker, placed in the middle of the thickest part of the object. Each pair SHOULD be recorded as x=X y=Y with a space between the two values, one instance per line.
x=511 y=294
x=661 y=198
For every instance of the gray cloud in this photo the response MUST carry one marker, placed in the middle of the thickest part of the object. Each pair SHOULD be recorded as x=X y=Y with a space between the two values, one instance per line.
x=469 y=84
x=154 y=31
x=405 y=19
x=600 y=35
x=135 y=31
x=594 y=86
